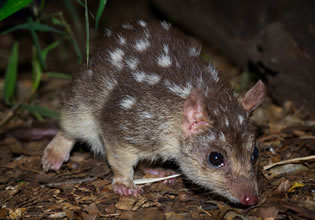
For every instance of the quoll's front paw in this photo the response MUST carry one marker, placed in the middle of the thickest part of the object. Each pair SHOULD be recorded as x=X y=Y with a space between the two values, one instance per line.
x=124 y=190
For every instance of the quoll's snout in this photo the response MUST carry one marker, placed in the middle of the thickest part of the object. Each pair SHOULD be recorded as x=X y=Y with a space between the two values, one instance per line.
x=249 y=199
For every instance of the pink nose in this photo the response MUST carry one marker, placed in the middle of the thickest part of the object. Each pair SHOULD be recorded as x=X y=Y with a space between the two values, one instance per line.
x=249 y=200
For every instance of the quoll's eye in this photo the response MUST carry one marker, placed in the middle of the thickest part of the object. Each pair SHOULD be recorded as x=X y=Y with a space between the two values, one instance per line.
x=216 y=159
x=255 y=155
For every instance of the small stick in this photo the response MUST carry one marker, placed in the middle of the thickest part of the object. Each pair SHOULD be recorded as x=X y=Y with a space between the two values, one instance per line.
x=152 y=180
x=9 y=114
x=267 y=167
x=78 y=181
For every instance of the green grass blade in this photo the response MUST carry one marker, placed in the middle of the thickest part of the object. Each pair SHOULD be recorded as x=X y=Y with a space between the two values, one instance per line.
x=36 y=43
x=87 y=31
x=36 y=72
x=12 y=6
x=49 y=48
x=69 y=34
x=58 y=75
x=75 y=15
x=45 y=28
x=10 y=75
x=40 y=111
x=42 y=5
x=76 y=48
x=83 y=5
x=15 y=28
x=100 y=10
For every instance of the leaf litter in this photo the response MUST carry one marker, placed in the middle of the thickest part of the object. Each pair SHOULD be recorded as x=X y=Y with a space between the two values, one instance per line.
x=82 y=188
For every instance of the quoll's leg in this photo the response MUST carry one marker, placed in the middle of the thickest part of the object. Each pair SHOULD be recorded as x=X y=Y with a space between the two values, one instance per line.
x=57 y=152
x=122 y=163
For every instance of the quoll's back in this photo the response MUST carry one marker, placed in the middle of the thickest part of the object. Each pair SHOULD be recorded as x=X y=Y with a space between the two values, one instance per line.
x=147 y=94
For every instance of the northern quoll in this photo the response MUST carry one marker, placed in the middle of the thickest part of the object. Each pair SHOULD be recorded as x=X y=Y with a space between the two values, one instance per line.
x=147 y=94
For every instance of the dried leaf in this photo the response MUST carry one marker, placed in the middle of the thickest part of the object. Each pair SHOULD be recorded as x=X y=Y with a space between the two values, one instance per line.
x=295 y=185
x=287 y=169
x=126 y=203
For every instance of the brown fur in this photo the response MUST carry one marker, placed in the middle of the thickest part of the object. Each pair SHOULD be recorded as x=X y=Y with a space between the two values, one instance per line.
x=130 y=117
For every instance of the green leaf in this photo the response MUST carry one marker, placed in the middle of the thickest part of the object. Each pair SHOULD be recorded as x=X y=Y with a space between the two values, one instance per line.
x=34 y=26
x=36 y=43
x=49 y=48
x=58 y=75
x=75 y=15
x=87 y=32
x=40 y=111
x=42 y=5
x=10 y=75
x=83 y=5
x=57 y=21
x=100 y=10
x=36 y=72
x=15 y=28
x=44 y=27
x=12 y=6
x=76 y=47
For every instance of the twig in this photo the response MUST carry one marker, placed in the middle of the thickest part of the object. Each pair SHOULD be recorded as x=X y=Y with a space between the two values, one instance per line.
x=152 y=180
x=205 y=211
x=110 y=215
x=9 y=114
x=312 y=157
x=75 y=181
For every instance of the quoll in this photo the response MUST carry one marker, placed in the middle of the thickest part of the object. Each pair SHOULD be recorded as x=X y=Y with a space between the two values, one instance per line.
x=147 y=95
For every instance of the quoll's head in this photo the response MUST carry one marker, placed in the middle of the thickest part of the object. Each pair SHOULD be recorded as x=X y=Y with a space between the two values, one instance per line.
x=220 y=151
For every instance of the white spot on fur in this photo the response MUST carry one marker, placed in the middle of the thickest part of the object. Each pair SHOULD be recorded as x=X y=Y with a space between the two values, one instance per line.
x=165 y=48
x=166 y=25
x=214 y=73
x=215 y=111
x=142 y=45
x=127 y=102
x=179 y=90
x=227 y=123
x=132 y=63
x=164 y=59
x=153 y=79
x=110 y=84
x=194 y=52
x=108 y=32
x=121 y=40
x=142 y=23
x=145 y=115
x=116 y=57
x=127 y=26
x=222 y=136
x=240 y=119
x=141 y=76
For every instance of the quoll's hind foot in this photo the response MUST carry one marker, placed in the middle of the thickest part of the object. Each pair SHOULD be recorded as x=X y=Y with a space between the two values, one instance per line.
x=57 y=152
x=125 y=190
x=160 y=172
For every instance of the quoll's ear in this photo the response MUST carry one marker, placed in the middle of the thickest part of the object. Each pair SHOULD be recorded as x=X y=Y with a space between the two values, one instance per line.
x=253 y=97
x=196 y=117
